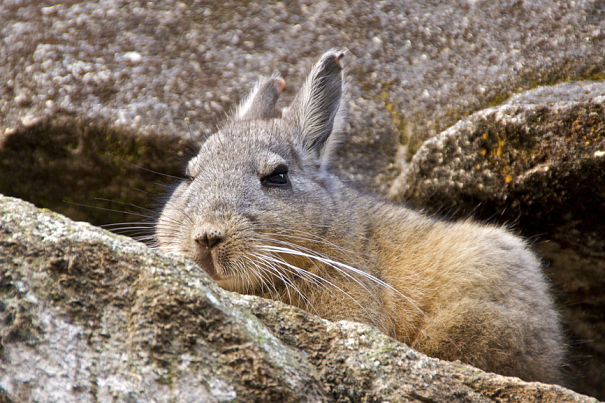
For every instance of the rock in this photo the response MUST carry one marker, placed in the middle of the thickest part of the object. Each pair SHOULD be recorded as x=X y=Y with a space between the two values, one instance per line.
x=90 y=316
x=532 y=158
x=538 y=162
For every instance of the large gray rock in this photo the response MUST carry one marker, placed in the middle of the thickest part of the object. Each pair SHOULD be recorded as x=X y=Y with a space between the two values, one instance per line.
x=538 y=158
x=90 y=316
x=537 y=162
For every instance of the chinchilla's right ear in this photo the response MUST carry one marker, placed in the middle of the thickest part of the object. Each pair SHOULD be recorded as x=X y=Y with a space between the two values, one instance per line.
x=260 y=103
x=316 y=107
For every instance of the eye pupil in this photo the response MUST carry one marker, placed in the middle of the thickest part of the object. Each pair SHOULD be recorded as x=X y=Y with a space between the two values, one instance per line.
x=279 y=177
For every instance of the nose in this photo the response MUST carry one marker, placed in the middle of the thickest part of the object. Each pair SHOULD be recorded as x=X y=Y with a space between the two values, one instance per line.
x=208 y=236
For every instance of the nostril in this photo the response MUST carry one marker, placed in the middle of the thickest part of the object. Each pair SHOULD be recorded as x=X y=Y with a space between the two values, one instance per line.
x=209 y=238
x=213 y=239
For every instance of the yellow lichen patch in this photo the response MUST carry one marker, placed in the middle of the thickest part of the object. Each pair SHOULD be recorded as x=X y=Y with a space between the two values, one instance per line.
x=483 y=152
x=396 y=116
x=508 y=179
x=485 y=136
x=498 y=151
x=478 y=167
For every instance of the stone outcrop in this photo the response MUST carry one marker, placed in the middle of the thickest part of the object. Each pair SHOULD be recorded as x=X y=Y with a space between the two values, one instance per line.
x=538 y=159
x=87 y=315
x=536 y=162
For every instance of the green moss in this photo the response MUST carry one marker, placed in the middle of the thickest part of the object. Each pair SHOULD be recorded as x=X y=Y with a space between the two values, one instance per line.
x=597 y=76
x=498 y=99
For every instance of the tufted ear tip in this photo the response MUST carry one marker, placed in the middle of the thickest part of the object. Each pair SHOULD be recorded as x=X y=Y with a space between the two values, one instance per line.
x=330 y=62
x=334 y=56
x=339 y=56
x=260 y=103
x=281 y=85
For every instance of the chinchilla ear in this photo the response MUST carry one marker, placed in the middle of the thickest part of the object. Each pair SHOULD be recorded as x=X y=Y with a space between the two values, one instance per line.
x=260 y=103
x=315 y=108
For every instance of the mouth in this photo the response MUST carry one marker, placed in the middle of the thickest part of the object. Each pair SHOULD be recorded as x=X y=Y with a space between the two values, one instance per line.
x=223 y=276
x=208 y=264
x=224 y=279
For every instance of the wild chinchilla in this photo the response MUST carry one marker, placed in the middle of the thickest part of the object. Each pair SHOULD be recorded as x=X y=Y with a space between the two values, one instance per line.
x=262 y=214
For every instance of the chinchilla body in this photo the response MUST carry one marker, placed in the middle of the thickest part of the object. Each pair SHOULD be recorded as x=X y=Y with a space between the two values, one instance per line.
x=261 y=213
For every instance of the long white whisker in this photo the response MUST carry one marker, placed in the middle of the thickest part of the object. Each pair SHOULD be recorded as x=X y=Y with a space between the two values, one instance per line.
x=270 y=264
x=151 y=223
x=257 y=272
x=309 y=237
x=264 y=267
x=317 y=240
x=316 y=254
x=328 y=261
x=300 y=270
x=267 y=266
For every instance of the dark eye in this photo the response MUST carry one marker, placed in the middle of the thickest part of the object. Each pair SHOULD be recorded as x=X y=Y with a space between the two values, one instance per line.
x=277 y=178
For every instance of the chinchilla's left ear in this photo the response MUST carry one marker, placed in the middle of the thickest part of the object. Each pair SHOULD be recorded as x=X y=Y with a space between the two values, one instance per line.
x=260 y=103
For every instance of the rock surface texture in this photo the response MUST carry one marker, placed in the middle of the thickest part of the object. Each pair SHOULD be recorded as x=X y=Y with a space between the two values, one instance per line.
x=91 y=316
x=538 y=163
x=102 y=99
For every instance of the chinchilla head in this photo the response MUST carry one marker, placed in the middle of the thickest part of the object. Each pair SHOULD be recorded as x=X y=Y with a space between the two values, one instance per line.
x=258 y=198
